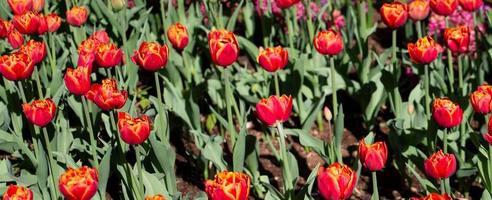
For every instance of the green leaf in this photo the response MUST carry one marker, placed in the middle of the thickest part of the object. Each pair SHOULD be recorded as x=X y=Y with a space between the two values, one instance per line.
x=104 y=170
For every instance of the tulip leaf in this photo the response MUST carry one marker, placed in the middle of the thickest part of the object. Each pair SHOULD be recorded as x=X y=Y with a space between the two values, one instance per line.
x=104 y=170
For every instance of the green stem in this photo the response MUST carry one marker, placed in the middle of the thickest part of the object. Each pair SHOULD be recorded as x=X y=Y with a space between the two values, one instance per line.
x=268 y=139
x=333 y=87
x=54 y=174
x=95 y=159
x=230 y=123
x=289 y=29
x=443 y=187
x=288 y=186
x=418 y=26
x=460 y=74
x=450 y=64
x=375 y=192
x=427 y=92
x=393 y=48
x=139 y=168
x=445 y=141
x=38 y=83
x=21 y=90
x=277 y=90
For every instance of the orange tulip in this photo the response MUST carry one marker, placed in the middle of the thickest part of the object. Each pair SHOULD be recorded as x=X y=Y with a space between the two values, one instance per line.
x=443 y=7
x=336 y=181
x=151 y=56
x=36 y=51
x=458 y=39
x=77 y=15
x=78 y=81
x=178 y=36
x=328 y=42
x=228 y=186
x=133 y=130
x=424 y=51
x=155 y=197
x=470 y=5
x=373 y=156
x=106 y=95
x=286 y=3
x=15 y=192
x=17 y=66
x=440 y=165
x=446 y=113
x=53 y=21
x=223 y=46
x=27 y=23
x=418 y=10
x=40 y=112
x=78 y=184
x=108 y=55
x=20 y=7
x=273 y=58
x=15 y=38
x=394 y=14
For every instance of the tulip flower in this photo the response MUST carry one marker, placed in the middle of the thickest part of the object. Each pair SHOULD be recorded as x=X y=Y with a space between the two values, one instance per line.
x=228 y=186
x=78 y=81
x=89 y=46
x=284 y=4
x=17 y=66
x=15 y=192
x=470 y=5
x=446 y=113
x=77 y=15
x=223 y=47
x=37 y=5
x=328 y=42
x=5 y=28
x=78 y=184
x=394 y=14
x=273 y=58
x=108 y=55
x=118 y=5
x=178 y=36
x=480 y=99
x=336 y=181
x=15 y=38
x=106 y=95
x=42 y=24
x=155 y=197
x=440 y=165
x=488 y=136
x=424 y=51
x=133 y=130
x=433 y=196
x=418 y=10
x=274 y=109
x=40 y=112
x=36 y=51
x=458 y=39
x=443 y=7
x=373 y=156
x=27 y=23
x=151 y=56
x=20 y=7
x=53 y=21
x=101 y=36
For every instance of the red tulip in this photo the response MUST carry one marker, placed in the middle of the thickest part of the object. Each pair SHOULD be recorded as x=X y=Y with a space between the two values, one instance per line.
x=20 y=7
x=488 y=136
x=151 y=56
x=273 y=58
x=481 y=99
x=446 y=113
x=42 y=24
x=178 y=36
x=274 y=109
x=77 y=15
x=418 y=10
x=424 y=51
x=15 y=38
x=15 y=192
x=86 y=60
x=470 y=5
x=53 y=21
x=101 y=36
x=458 y=39
x=5 y=28
x=433 y=196
x=108 y=55
x=373 y=156
x=133 y=130
x=336 y=181
x=37 y=5
x=443 y=7
x=78 y=81
x=106 y=95
x=27 y=23
x=155 y=197
x=394 y=14
x=17 y=66
x=228 y=186
x=78 y=184
x=88 y=46
x=286 y=3
x=36 y=51
x=40 y=112
x=328 y=42
x=440 y=165
x=223 y=46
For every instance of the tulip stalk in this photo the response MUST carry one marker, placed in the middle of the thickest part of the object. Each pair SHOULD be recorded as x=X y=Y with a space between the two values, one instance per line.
x=450 y=63
x=445 y=141
x=91 y=132
x=460 y=73
x=289 y=28
x=288 y=187
x=51 y=161
x=375 y=192
x=418 y=26
x=277 y=90
x=427 y=95
x=140 y=173
x=333 y=87
x=228 y=96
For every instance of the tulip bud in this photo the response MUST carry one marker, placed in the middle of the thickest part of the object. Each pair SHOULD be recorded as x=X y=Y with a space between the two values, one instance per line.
x=178 y=36
x=373 y=156
x=77 y=15
x=155 y=197
x=440 y=165
x=327 y=113
x=284 y=4
x=228 y=186
x=36 y=51
x=78 y=81
x=223 y=46
x=433 y=196
x=106 y=95
x=118 y=4
x=446 y=113
x=133 y=130
x=20 y=7
x=328 y=42
x=458 y=39
x=470 y=5
x=424 y=51
x=274 y=109
x=53 y=21
x=27 y=23
x=336 y=181
x=40 y=112
x=273 y=58
x=418 y=10
x=481 y=99
x=151 y=56
x=16 y=66
x=15 y=38
x=37 y=5
x=394 y=14
x=108 y=55
x=443 y=7
x=78 y=184
x=15 y=192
